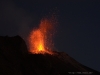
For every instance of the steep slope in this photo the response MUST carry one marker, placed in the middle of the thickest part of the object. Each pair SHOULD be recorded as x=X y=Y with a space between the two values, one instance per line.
x=58 y=64
x=15 y=60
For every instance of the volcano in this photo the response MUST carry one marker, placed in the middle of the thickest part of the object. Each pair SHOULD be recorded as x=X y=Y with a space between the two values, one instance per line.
x=16 y=60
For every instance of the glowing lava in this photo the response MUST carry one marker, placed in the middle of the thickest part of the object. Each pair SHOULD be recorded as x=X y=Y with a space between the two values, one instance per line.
x=40 y=39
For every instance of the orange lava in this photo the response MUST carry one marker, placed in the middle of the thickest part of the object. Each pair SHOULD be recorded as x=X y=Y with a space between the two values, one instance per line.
x=40 y=38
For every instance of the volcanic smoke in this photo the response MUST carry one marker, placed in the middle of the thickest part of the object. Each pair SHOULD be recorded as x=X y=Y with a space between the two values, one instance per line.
x=40 y=39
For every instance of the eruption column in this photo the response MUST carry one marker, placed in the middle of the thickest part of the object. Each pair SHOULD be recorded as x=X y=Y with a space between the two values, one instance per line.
x=40 y=38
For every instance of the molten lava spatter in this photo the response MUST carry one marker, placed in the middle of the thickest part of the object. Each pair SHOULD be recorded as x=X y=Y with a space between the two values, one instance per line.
x=40 y=38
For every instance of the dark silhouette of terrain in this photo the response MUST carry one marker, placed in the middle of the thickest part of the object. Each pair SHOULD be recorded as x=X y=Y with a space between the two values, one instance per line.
x=15 y=60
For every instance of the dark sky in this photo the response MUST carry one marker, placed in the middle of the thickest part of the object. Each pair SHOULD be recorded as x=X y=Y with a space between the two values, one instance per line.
x=78 y=31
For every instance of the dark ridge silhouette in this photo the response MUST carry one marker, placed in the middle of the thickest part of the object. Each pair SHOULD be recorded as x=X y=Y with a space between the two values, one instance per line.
x=15 y=60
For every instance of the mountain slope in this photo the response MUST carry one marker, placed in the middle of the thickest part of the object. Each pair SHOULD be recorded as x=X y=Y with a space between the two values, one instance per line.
x=15 y=60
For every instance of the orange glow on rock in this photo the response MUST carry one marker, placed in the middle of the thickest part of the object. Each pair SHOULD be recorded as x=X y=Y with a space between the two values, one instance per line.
x=40 y=38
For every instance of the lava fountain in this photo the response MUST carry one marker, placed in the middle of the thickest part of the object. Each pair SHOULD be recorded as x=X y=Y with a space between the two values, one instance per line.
x=40 y=39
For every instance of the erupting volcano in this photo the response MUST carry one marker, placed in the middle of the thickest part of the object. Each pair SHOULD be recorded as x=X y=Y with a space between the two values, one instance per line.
x=41 y=60
x=40 y=39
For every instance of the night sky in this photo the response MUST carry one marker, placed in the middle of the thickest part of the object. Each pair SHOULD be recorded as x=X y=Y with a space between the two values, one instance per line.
x=78 y=30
